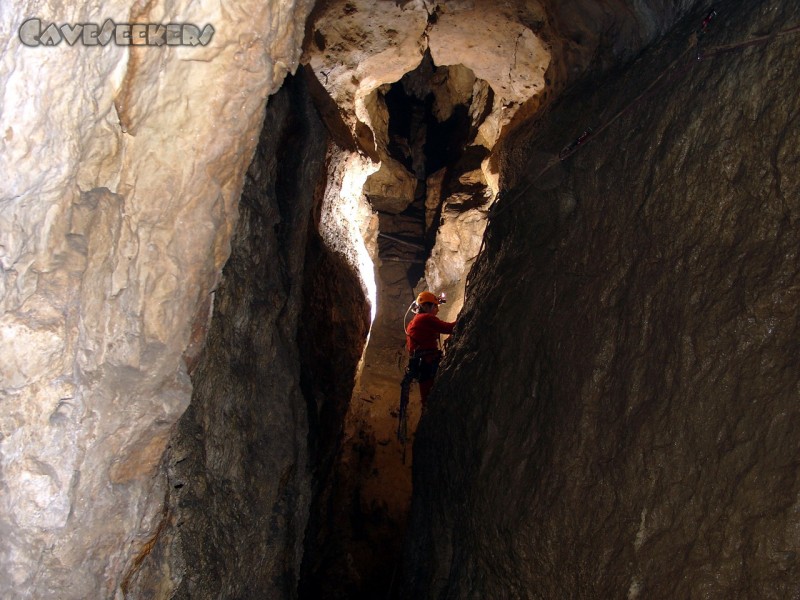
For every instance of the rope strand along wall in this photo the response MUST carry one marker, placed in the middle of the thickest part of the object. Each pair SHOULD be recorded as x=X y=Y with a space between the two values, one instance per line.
x=691 y=56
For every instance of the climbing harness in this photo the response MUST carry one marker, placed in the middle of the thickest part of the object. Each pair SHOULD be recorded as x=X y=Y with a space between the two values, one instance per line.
x=420 y=368
x=707 y=21
x=503 y=201
x=570 y=148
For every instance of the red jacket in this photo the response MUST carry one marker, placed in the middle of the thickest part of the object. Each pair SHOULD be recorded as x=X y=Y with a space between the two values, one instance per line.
x=423 y=332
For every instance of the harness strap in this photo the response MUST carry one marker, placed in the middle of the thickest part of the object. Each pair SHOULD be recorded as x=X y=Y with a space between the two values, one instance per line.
x=425 y=352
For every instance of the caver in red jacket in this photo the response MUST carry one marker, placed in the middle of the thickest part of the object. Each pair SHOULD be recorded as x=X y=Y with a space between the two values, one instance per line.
x=422 y=341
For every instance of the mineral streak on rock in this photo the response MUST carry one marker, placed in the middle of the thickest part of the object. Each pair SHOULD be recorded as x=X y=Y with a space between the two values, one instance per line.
x=618 y=415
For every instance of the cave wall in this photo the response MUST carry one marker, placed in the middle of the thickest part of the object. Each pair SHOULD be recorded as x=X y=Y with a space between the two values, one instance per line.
x=122 y=168
x=617 y=416
x=333 y=334
x=268 y=401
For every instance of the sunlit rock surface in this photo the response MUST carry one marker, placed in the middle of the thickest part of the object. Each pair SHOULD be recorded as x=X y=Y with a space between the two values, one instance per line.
x=121 y=173
x=618 y=415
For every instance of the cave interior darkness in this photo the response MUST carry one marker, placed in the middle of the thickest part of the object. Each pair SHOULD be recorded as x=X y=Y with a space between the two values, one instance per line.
x=424 y=144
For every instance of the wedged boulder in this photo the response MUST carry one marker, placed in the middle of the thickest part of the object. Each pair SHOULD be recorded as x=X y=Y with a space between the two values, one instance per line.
x=391 y=189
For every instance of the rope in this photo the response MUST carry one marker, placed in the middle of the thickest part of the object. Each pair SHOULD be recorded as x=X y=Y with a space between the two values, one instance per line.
x=394 y=238
x=754 y=42
x=585 y=139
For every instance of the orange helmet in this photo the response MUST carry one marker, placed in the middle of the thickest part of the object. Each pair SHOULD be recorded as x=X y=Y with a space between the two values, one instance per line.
x=426 y=297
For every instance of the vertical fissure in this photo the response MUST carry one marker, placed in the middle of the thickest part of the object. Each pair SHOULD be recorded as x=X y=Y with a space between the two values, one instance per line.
x=430 y=175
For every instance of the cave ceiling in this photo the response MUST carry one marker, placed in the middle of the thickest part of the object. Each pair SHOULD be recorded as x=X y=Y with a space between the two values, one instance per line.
x=509 y=59
x=356 y=46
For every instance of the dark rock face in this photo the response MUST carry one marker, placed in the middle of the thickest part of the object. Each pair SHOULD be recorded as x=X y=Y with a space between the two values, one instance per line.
x=241 y=460
x=333 y=334
x=618 y=416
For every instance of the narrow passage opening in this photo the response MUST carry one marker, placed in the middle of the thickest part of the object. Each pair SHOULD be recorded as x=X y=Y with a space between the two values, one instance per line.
x=427 y=137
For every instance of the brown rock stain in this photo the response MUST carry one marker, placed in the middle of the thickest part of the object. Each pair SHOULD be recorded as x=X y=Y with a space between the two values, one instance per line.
x=146 y=549
x=124 y=101
x=142 y=460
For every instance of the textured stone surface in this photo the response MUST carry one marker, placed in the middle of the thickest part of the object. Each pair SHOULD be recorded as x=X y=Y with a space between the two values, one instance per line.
x=332 y=334
x=525 y=52
x=498 y=45
x=369 y=492
x=239 y=466
x=356 y=50
x=466 y=197
x=504 y=62
x=263 y=418
x=356 y=46
x=122 y=170
x=392 y=187
x=617 y=416
x=346 y=221
x=355 y=531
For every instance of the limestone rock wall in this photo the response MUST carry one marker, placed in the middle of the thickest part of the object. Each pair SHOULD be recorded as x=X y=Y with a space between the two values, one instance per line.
x=122 y=168
x=464 y=200
x=617 y=415
x=239 y=466
x=332 y=335
x=357 y=46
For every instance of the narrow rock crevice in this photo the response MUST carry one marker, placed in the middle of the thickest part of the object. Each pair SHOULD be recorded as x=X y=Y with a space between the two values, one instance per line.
x=425 y=127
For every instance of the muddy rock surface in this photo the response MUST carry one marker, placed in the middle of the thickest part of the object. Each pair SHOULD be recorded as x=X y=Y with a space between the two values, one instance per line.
x=618 y=415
